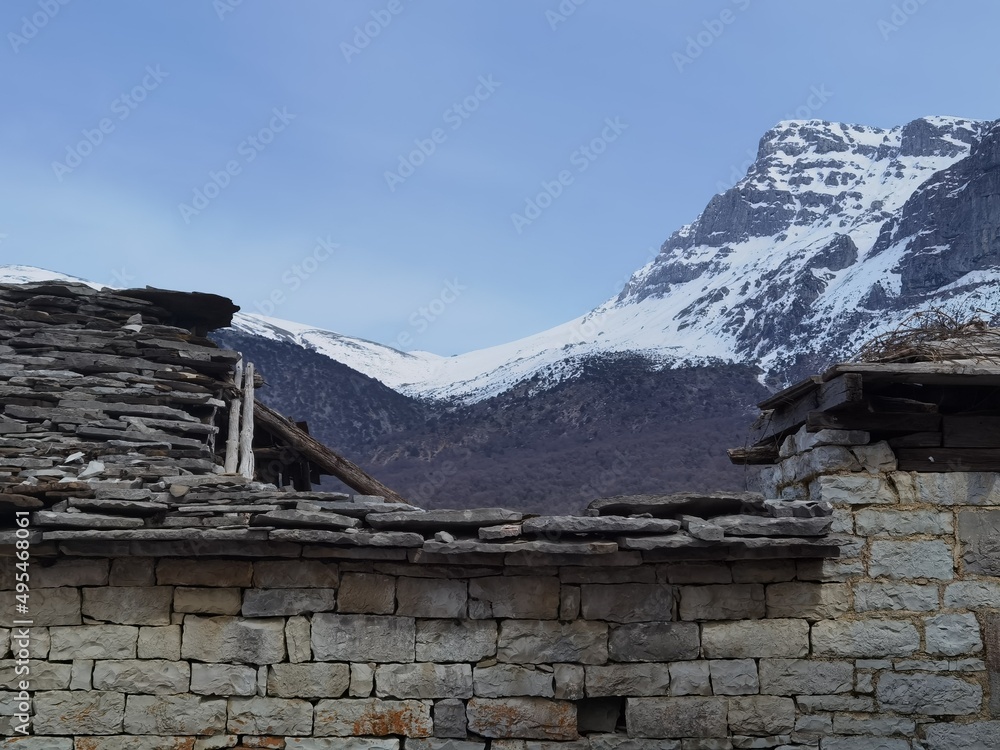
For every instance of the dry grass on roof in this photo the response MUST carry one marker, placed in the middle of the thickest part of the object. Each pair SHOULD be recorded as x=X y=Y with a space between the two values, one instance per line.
x=935 y=336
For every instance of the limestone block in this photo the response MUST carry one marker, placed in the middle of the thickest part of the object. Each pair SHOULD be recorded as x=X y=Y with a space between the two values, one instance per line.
x=133 y=571
x=643 y=574
x=281 y=716
x=285 y=602
x=948 y=736
x=205 y=601
x=455 y=640
x=979 y=533
x=737 y=601
x=913 y=597
x=44 y=675
x=80 y=675
x=48 y=606
x=362 y=680
x=449 y=718
x=761 y=715
x=696 y=573
x=150 y=676
x=763 y=571
x=541 y=641
x=863 y=639
x=906 y=560
x=423 y=680
x=864 y=743
x=505 y=680
x=292 y=574
x=431 y=597
x=93 y=642
x=875 y=457
x=953 y=635
x=373 y=717
x=297 y=639
x=136 y=742
x=41 y=743
x=623 y=742
x=805 y=677
x=159 y=642
x=972 y=595
x=954 y=488
x=353 y=743
x=363 y=638
x=204 y=572
x=810 y=601
x=569 y=602
x=129 y=605
x=829 y=569
x=690 y=678
x=569 y=681
x=928 y=694
x=654 y=641
x=530 y=597
x=528 y=718
x=174 y=714
x=870 y=522
x=627 y=602
x=78 y=712
x=873 y=725
x=677 y=717
x=442 y=744
x=853 y=489
x=627 y=679
x=232 y=639
x=223 y=680
x=755 y=639
x=367 y=593
x=734 y=677
x=84 y=571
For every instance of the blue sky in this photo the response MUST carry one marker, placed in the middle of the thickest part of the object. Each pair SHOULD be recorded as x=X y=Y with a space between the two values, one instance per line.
x=359 y=164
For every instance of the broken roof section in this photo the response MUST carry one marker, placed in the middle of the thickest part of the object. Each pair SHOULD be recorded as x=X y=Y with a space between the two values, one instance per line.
x=114 y=411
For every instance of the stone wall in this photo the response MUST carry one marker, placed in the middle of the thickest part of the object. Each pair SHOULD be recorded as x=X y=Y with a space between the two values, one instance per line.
x=894 y=645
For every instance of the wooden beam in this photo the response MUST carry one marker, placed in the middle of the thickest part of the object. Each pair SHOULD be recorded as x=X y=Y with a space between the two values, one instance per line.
x=791 y=394
x=755 y=455
x=839 y=392
x=233 y=438
x=916 y=440
x=948 y=459
x=960 y=372
x=315 y=452
x=246 y=424
x=872 y=421
x=977 y=431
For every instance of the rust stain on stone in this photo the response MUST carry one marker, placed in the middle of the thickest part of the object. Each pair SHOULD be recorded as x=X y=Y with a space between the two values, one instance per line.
x=383 y=722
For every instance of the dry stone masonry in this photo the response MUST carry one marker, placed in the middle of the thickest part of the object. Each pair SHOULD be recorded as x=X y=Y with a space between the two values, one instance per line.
x=848 y=606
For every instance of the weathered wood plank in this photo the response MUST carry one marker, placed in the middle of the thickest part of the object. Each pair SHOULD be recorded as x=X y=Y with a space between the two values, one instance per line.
x=791 y=394
x=754 y=455
x=839 y=392
x=872 y=421
x=977 y=431
x=973 y=372
x=917 y=440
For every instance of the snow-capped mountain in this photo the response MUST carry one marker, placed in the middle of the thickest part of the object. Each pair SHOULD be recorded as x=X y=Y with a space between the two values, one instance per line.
x=837 y=233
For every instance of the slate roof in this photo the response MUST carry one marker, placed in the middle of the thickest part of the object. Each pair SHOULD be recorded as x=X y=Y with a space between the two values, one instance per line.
x=112 y=403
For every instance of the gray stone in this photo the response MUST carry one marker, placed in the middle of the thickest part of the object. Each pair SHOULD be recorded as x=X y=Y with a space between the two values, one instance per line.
x=654 y=641
x=93 y=642
x=449 y=718
x=835 y=703
x=734 y=677
x=761 y=715
x=59 y=606
x=202 y=572
x=755 y=639
x=810 y=601
x=903 y=522
x=552 y=526
x=697 y=573
x=133 y=571
x=928 y=694
x=747 y=525
x=284 y=602
x=736 y=601
x=233 y=639
x=864 y=743
x=979 y=735
x=569 y=602
x=347 y=717
x=531 y=597
x=204 y=601
x=78 y=712
x=455 y=640
x=431 y=597
x=152 y=676
x=505 y=680
x=853 y=489
x=308 y=680
x=292 y=574
x=340 y=743
x=627 y=602
x=535 y=641
x=699 y=528
x=704 y=505
x=503 y=531
x=297 y=639
x=394 y=540
x=623 y=742
x=362 y=680
x=76 y=572
x=902 y=560
x=367 y=593
x=950 y=488
x=873 y=725
x=979 y=533
x=798 y=508
x=363 y=638
x=690 y=678
x=627 y=679
x=43 y=675
x=875 y=457
x=435 y=520
x=829 y=569
x=47 y=519
x=305 y=519
x=676 y=717
x=913 y=597
x=805 y=677
x=281 y=716
x=438 y=744
x=865 y=638
x=972 y=595
x=423 y=680
x=569 y=681
x=223 y=679
x=80 y=675
x=953 y=635
x=531 y=718
x=162 y=642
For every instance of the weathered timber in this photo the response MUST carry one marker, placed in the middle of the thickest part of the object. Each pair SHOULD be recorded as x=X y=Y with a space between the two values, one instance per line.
x=872 y=422
x=246 y=424
x=958 y=372
x=948 y=459
x=917 y=440
x=754 y=455
x=235 y=409
x=839 y=392
x=960 y=431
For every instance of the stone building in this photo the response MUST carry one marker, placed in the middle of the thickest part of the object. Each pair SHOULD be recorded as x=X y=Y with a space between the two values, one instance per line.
x=152 y=600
